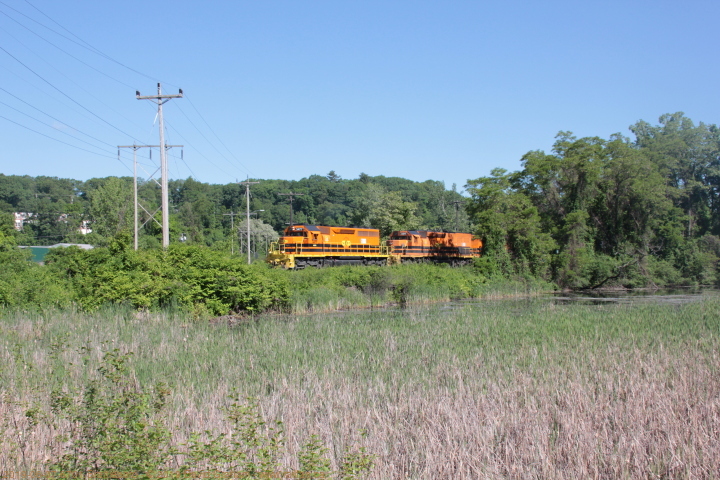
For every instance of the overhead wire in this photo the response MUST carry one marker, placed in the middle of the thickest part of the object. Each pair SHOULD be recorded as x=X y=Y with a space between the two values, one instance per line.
x=52 y=138
x=243 y=167
x=65 y=52
x=82 y=43
x=50 y=116
x=50 y=126
x=169 y=124
x=41 y=89
x=76 y=84
x=64 y=94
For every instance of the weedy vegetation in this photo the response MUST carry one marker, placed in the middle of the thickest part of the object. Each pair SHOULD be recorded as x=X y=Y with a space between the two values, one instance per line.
x=494 y=389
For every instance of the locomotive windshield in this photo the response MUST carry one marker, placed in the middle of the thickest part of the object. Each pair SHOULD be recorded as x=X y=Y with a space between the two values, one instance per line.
x=296 y=234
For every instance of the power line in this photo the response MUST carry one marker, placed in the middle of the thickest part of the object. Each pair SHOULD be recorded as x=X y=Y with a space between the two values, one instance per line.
x=84 y=44
x=76 y=84
x=87 y=46
x=53 y=118
x=40 y=88
x=50 y=126
x=198 y=151
x=55 y=139
x=211 y=143
x=62 y=50
x=64 y=94
x=219 y=139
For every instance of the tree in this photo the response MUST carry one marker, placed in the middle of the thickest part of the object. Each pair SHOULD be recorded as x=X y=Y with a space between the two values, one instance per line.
x=261 y=235
x=688 y=156
x=111 y=207
x=386 y=211
x=508 y=223
x=595 y=197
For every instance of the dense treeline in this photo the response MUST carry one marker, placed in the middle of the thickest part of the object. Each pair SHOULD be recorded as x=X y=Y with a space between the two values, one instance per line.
x=600 y=212
x=592 y=213
x=203 y=212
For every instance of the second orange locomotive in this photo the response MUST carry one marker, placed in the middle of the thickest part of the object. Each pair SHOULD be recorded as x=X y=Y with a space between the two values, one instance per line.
x=437 y=247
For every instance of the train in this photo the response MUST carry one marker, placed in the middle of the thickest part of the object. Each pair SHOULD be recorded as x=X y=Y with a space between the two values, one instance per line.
x=303 y=245
x=423 y=246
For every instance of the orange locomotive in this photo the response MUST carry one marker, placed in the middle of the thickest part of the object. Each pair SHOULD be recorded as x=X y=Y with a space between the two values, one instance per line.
x=439 y=247
x=319 y=246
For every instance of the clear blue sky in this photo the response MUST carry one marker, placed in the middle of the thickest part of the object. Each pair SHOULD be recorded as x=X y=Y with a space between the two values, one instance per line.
x=286 y=89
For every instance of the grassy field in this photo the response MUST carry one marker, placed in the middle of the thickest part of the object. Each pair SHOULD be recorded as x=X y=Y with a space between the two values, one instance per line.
x=494 y=389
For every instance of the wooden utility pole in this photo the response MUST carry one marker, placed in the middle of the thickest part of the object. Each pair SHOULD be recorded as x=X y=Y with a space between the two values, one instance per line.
x=291 y=196
x=457 y=208
x=135 y=192
x=247 y=184
x=232 y=230
x=160 y=99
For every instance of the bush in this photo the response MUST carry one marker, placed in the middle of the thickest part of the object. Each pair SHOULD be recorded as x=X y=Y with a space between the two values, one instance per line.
x=118 y=429
x=27 y=284
x=192 y=277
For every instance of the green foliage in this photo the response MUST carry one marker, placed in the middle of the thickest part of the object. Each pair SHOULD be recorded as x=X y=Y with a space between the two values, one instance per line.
x=566 y=216
x=356 y=464
x=110 y=207
x=190 y=276
x=252 y=449
x=115 y=426
x=119 y=430
x=314 y=464
x=386 y=211
x=507 y=221
x=607 y=206
x=343 y=287
x=26 y=284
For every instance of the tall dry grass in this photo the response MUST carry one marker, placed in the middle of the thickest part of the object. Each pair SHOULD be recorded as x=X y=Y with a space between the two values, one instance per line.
x=495 y=390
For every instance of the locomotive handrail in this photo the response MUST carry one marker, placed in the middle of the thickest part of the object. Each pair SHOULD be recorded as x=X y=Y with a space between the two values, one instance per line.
x=274 y=247
x=299 y=248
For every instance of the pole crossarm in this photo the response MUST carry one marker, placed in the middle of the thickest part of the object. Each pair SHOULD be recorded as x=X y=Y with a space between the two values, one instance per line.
x=149 y=146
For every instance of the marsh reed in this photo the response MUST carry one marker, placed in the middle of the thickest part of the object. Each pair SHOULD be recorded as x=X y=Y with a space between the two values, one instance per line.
x=501 y=389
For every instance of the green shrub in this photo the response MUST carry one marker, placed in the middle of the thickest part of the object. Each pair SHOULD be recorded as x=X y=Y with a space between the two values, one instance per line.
x=26 y=284
x=195 y=278
x=115 y=426
x=118 y=429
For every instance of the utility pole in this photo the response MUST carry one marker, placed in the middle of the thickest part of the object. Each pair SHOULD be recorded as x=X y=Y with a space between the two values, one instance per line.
x=457 y=207
x=232 y=229
x=291 y=196
x=247 y=184
x=160 y=99
x=135 y=192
